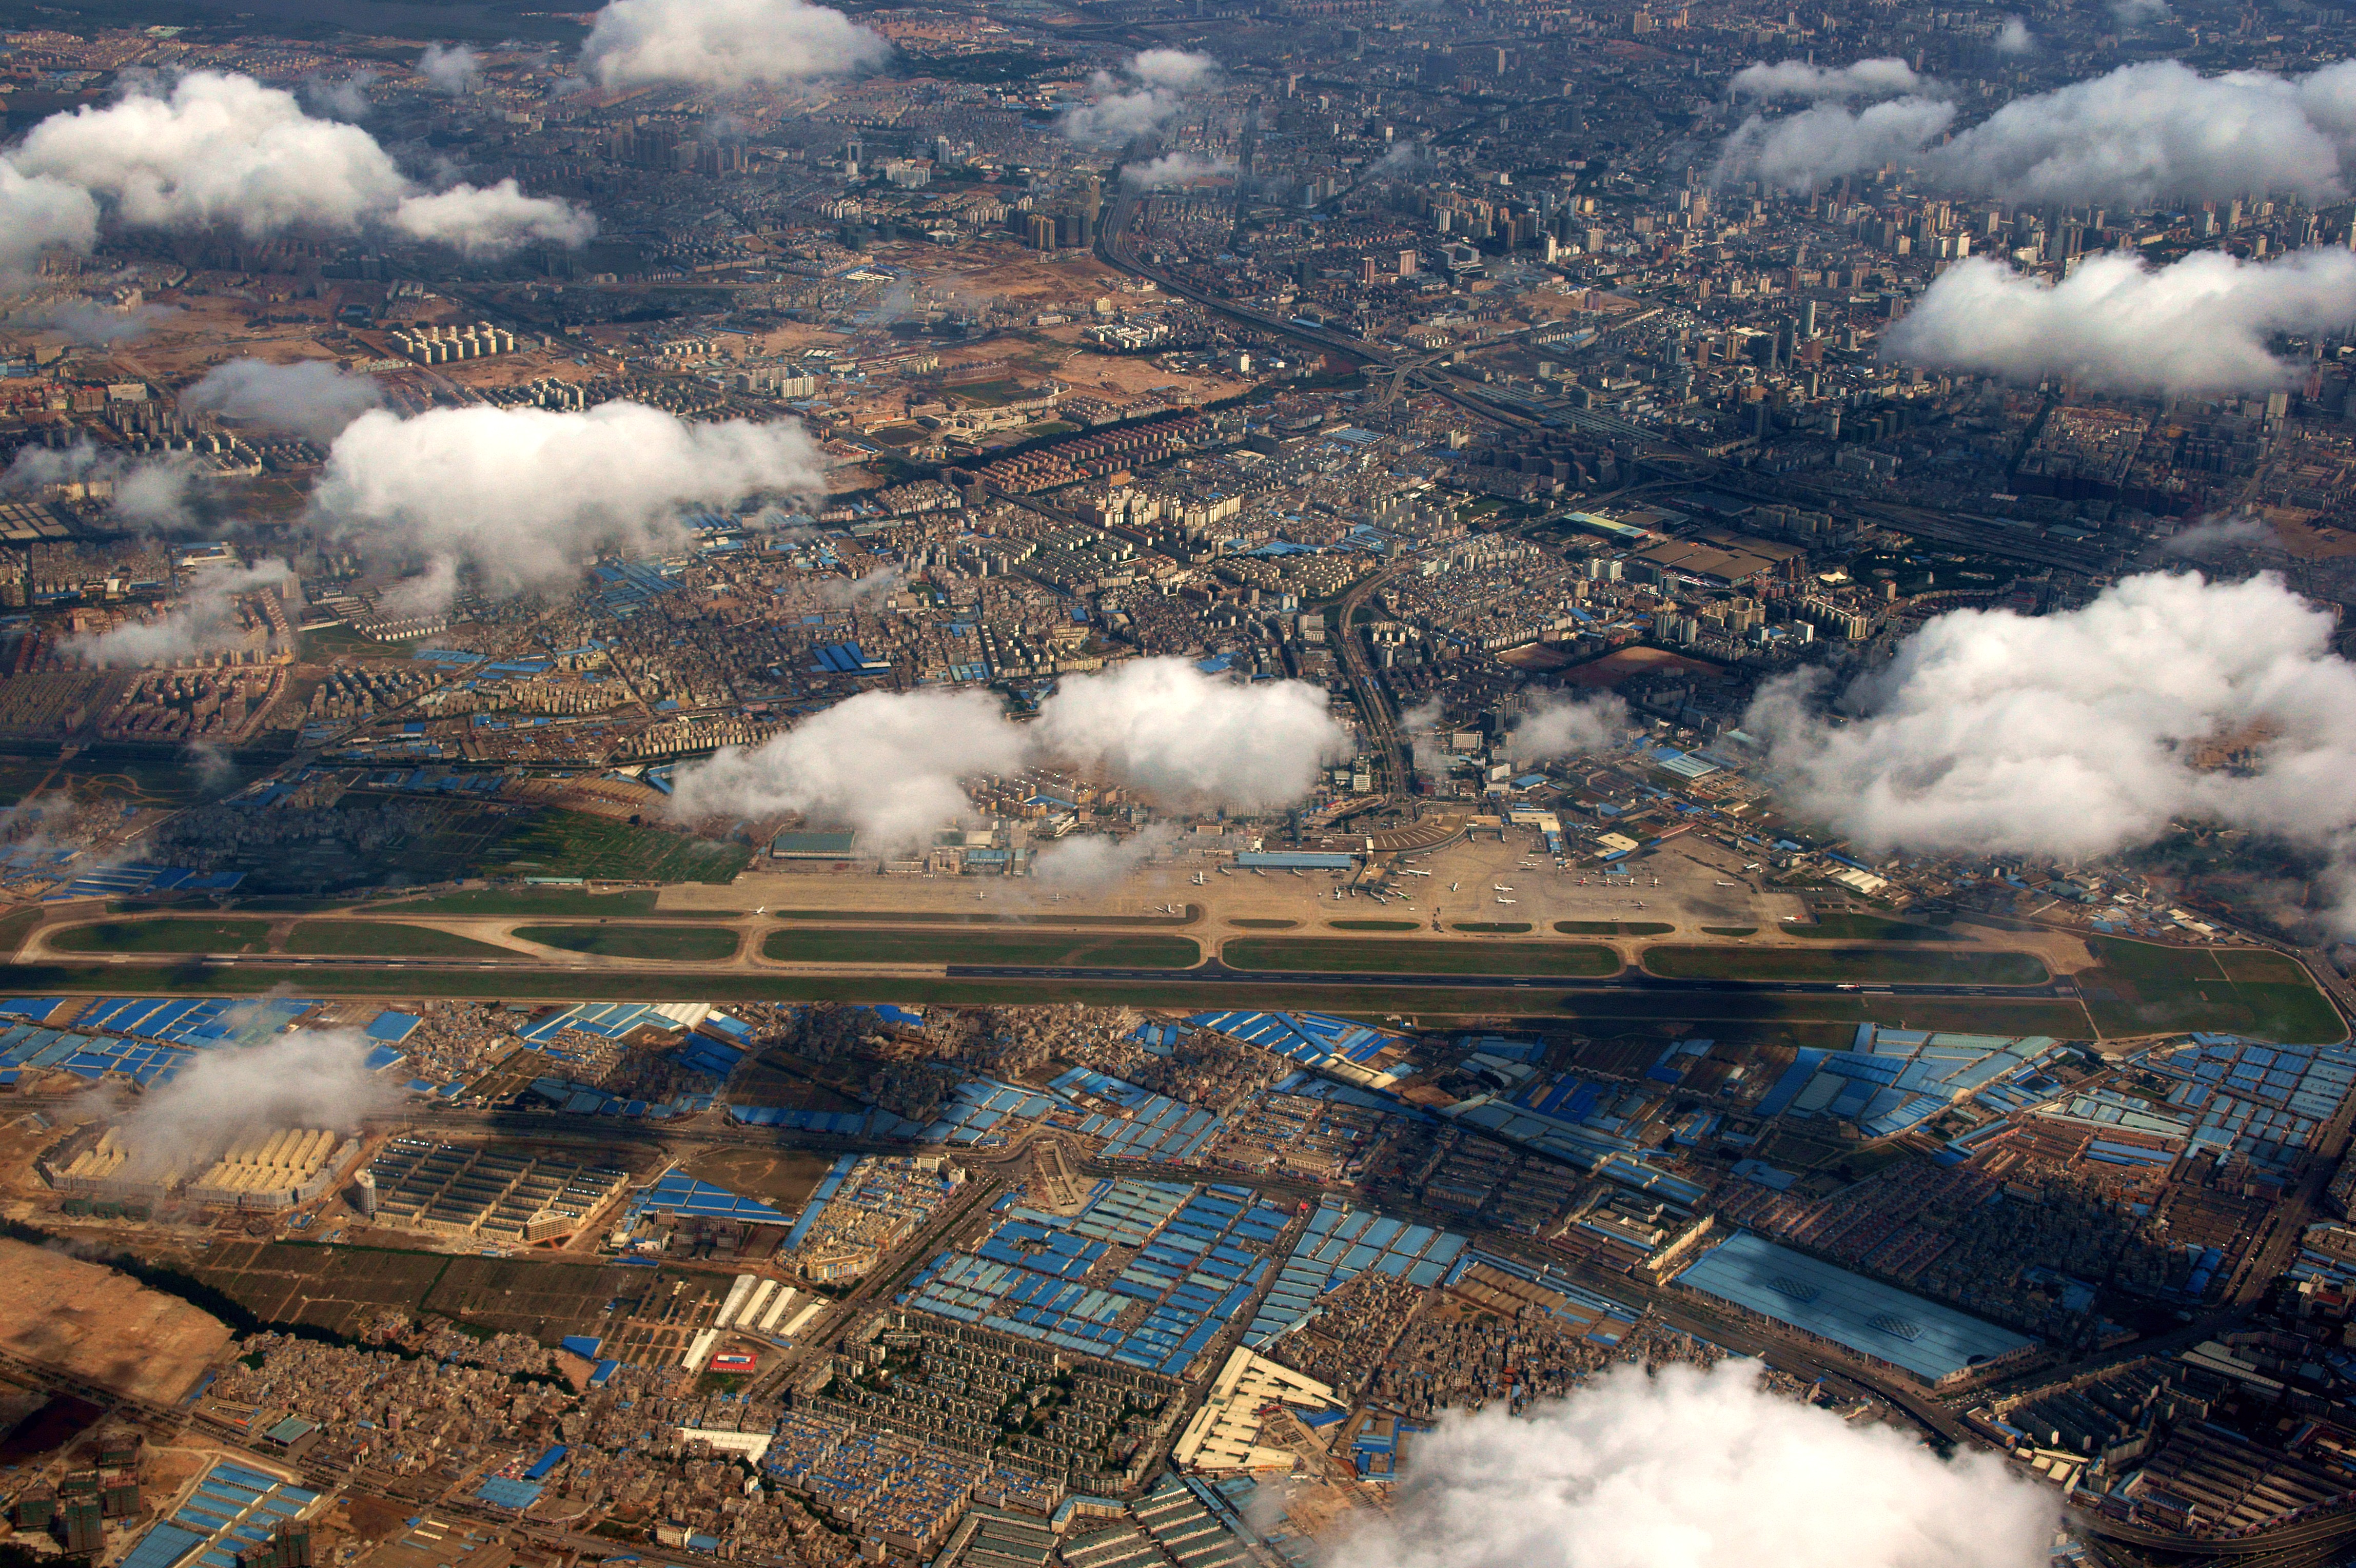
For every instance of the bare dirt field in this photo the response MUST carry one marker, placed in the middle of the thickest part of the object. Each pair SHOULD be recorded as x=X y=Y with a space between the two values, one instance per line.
x=102 y=1324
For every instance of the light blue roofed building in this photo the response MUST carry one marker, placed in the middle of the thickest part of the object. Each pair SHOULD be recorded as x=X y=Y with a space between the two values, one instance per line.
x=1932 y=1342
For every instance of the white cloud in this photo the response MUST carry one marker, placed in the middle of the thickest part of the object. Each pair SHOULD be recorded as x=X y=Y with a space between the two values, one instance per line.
x=489 y=220
x=1179 y=70
x=455 y=68
x=37 y=213
x=2161 y=131
x=310 y=397
x=1692 y=1469
x=157 y=491
x=2078 y=734
x=1123 y=114
x=727 y=44
x=204 y=620
x=1174 y=168
x=885 y=764
x=2201 y=324
x=343 y=98
x=2132 y=14
x=1883 y=78
x=1820 y=145
x=312 y=1078
x=861 y=593
x=1163 y=727
x=88 y=322
x=225 y=151
x=888 y=763
x=526 y=494
x=1097 y=860
x=2142 y=133
x=217 y=150
x=2015 y=38
x=2216 y=535
x=1558 y=727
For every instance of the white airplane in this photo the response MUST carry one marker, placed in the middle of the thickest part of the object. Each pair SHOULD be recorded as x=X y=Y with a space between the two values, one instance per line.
x=1454 y=886
x=981 y=894
x=1415 y=874
x=1752 y=866
x=1257 y=872
x=1509 y=901
x=1499 y=888
x=1730 y=884
x=1198 y=879
x=762 y=910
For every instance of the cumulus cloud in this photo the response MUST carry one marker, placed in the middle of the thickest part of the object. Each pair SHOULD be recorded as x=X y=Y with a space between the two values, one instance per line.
x=885 y=764
x=455 y=69
x=1558 y=727
x=310 y=397
x=313 y=1078
x=1693 y=1469
x=1174 y=168
x=1163 y=727
x=157 y=491
x=2201 y=324
x=489 y=220
x=2137 y=136
x=727 y=44
x=1818 y=146
x=39 y=213
x=1179 y=70
x=205 y=620
x=1884 y=78
x=1153 y=96
x=86 y=322
x=2131 y=14
x=2082 y=732
x=224 y=150
x=888 y=763
x=526 y=494
x=2015 y=38
x=2160 y=130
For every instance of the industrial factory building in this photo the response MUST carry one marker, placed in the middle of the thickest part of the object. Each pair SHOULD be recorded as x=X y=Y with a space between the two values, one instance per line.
x=459 y=1190
x=269 y=1170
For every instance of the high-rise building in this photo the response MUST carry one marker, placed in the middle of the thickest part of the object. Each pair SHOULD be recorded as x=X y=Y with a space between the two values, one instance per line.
x=82 y=1522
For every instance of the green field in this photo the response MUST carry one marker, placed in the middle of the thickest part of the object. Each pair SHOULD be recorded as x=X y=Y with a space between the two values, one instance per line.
x=1061 y=948
x=2145 y=988
x=1730 y=931
x=574 y=843
x=1376 y=925
x=1837 y=928
x=1614 y=928
x=1988 y=1015
x=386 y=938
x=675 y=944
x=1264 y=925
x=16 y=928
x=165 y=936
x=1568 y=959
x=1494 y=928
x=1674 y=961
